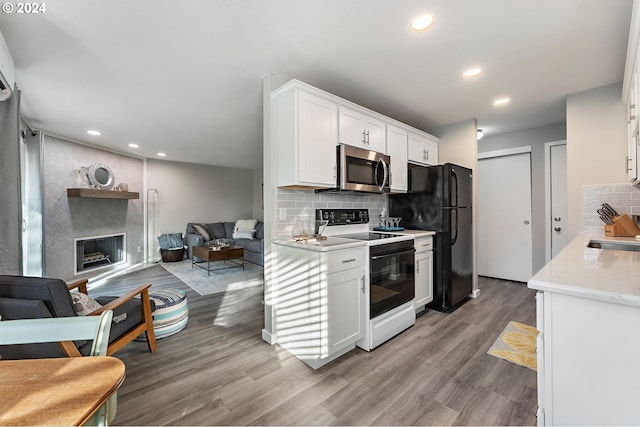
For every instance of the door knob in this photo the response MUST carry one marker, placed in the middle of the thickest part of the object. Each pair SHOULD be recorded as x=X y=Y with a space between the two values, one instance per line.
x=526 y=222
x=558 y=229
x=557 y=219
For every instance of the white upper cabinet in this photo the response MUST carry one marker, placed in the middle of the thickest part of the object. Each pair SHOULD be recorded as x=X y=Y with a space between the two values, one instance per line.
x=397 y=150
x=361 y=130
x=631 y=95
x=422 y=149
x=632 y=127
x=305 y=135
x=307 y=124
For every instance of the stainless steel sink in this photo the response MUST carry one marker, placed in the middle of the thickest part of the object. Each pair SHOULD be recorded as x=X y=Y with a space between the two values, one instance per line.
x=616 y=246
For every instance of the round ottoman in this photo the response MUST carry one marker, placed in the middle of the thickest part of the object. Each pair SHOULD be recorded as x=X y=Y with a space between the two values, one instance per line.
x=171 y=314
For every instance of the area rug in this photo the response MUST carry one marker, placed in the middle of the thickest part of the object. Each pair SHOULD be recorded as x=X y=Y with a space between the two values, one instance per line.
x=517 y=344
x=229 y=279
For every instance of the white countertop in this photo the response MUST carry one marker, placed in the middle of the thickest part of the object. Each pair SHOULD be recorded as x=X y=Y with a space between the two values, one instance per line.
x=416 y=233
x=337 y=243
x=600 y=274
x=330 y=244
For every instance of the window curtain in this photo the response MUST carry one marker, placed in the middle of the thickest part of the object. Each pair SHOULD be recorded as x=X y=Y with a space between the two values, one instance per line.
x=10 y=208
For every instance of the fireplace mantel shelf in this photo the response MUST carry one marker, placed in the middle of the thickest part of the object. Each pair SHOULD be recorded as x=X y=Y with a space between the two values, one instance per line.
x=101 y=194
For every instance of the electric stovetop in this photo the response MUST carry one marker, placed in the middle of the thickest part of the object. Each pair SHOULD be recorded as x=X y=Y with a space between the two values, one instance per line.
x=369 y=236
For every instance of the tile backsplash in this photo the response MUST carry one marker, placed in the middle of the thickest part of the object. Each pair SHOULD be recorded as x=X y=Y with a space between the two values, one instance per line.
x=624 y=198
x=301 y=207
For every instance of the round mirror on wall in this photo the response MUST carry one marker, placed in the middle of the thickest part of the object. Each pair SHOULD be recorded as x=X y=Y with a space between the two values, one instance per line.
x=100 y=176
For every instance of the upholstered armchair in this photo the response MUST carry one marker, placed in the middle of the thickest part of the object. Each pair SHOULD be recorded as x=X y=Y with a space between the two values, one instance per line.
x=23 y=297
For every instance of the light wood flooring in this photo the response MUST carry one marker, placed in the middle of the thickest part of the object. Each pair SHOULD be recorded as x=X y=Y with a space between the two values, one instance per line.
x=218 y=371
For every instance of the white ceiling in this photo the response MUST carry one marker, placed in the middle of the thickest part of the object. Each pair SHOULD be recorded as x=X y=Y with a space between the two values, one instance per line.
x=185 y=77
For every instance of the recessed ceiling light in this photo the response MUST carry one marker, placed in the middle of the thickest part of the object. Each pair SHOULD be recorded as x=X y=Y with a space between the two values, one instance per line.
x=422 y=23
x=134 y=146
x=501 y=101
x=472 y=72
x=162 y=154
x=93 y=132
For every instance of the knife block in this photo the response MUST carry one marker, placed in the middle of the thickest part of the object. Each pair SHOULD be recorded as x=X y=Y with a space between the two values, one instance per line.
x=623 y=226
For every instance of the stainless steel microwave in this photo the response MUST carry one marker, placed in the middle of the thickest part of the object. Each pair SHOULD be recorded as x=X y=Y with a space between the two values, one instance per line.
x=362 y=170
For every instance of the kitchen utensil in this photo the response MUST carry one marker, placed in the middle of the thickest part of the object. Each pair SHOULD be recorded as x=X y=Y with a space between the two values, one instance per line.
x=603 y=213
x=607 y=207
x=606 y=219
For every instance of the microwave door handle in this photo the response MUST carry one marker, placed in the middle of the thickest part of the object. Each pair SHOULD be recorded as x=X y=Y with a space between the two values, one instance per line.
x=385 y=174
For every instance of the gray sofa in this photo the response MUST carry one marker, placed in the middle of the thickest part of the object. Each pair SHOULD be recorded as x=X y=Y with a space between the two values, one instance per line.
x=253 y=248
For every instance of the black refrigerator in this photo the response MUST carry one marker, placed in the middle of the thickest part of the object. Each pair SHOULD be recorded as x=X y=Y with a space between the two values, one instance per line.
x=439 y=199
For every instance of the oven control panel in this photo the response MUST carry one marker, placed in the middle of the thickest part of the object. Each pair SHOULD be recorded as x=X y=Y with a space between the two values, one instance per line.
x=343 y=216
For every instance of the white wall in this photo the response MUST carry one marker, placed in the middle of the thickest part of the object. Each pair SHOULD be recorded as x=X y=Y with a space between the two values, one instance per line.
x=459 y=145
x=68 y=218
x=536 y=138
x=596 y=145
x=190 y=192
x=258 y=200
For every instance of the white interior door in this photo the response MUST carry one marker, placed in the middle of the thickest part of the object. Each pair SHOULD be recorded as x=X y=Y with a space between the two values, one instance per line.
x=504 y=217
x=558 y=168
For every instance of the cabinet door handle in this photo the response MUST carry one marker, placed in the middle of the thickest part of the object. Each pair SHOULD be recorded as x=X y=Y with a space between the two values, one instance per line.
x=362 y=287
x=367 y=137
x=424 y=154
x=364 y=136
x=344 y=261
x=417 y=267
x=626 y=164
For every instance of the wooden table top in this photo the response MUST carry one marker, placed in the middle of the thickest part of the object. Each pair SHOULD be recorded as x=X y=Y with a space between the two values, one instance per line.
x=62 y=391
x=227 y=252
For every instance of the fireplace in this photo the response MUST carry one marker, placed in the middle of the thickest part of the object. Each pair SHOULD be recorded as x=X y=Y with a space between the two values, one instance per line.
x=92 y=253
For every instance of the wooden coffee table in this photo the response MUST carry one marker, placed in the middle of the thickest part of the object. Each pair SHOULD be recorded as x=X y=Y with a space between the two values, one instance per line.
x=206 y=254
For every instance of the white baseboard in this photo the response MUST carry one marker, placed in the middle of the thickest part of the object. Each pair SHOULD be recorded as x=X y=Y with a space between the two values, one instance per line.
x=269 y=337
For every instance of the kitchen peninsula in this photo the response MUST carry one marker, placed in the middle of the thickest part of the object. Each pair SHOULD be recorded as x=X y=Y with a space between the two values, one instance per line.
x=588 y=312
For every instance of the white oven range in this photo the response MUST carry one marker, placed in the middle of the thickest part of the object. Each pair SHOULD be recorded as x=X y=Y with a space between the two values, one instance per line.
x=389 y=271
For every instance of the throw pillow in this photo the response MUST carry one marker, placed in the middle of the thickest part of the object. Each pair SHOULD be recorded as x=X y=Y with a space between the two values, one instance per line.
x=246 y=224
x=202 y=230
x=243 y=234
x=83 y=304
x=244 y=229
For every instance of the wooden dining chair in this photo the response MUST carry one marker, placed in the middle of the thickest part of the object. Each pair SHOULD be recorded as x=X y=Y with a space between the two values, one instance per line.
x=65 y=330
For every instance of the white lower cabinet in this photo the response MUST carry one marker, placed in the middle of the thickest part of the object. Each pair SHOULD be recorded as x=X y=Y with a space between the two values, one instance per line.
x=424 y=272
x=345 y=295
x=319 y=302
x=588 y=361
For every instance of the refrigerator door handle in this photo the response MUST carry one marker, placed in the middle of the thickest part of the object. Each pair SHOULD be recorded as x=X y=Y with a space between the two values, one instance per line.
x=454 y=237
x=454 y=175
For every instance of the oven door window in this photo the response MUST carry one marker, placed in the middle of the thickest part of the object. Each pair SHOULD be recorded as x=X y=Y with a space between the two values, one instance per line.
x=392 y=281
